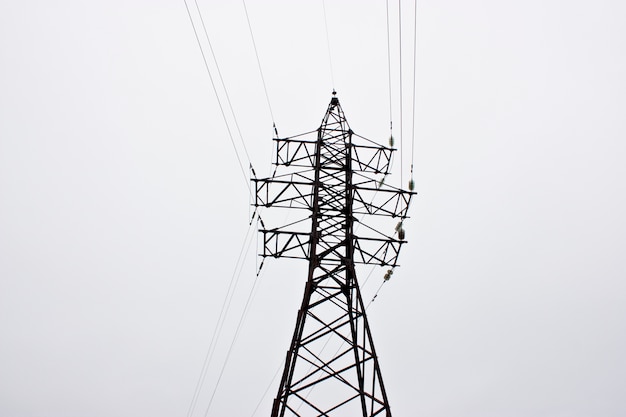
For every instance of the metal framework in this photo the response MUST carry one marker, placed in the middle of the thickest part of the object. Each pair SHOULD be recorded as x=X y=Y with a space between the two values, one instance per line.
x=331 y=368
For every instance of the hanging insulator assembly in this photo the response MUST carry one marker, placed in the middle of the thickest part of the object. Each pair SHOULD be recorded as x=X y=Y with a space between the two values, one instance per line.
x=388 y=274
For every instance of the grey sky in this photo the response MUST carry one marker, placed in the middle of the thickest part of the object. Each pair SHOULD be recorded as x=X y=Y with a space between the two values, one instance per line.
x=123 y=209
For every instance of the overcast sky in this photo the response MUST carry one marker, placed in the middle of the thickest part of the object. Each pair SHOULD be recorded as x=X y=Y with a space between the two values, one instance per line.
x=123 y=209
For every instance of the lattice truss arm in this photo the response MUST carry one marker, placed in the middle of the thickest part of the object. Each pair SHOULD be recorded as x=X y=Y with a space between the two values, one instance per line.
x=288 y=244
x=301 y=153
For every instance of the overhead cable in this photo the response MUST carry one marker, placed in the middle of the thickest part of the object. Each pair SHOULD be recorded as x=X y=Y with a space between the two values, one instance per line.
x=401 y=125
x=330 y=58
x=206 y=34
x=234 y=340
x=414 y=79
x=389 y=74
x=258 y=61
x=232 y=286
x=219 y=102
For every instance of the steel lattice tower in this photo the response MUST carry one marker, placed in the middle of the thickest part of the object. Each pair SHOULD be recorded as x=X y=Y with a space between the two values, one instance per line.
x=331 y=368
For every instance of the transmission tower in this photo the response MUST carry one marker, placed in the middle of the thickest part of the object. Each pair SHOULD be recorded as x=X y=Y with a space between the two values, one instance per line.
x=331 y=368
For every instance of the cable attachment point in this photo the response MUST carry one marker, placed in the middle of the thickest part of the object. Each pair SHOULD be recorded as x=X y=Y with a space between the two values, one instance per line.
x=388 y=275
x=400 y=231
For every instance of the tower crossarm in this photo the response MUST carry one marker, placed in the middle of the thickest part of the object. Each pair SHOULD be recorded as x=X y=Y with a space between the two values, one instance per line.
x=295 y=152
x=287 y=193
x=297 y=192
x=285 y=244
x=377 y=251
x=301 y=153
x=381 y=201
x=369 y=158
x=382 y=251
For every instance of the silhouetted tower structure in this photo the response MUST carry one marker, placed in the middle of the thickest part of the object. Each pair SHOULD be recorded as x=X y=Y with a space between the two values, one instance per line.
x=331 y=367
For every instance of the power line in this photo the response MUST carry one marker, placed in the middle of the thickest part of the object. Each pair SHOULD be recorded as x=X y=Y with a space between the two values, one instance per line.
x=235 y=277
x=389 y=76
x=219 y=102
x=401 y=124
x=269 y=386
x=219 y=73
x=234 y=340
x=232 y=286
x=258 y=61
x=247 y=242
x=330 y=59
x=414 y=77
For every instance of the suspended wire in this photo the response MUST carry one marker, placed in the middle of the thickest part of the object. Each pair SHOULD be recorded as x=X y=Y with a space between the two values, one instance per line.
x=223 y=314
x=230 y=294
x=330 y=59
x=206 y=34
x=401 y=124
x=375 y=294
x=389 y=71
x=219 y=102
x=414 y=79
x=234 y=340
x=235 y=277
x=234 y=280
x=258 y=61
x=268 y=387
